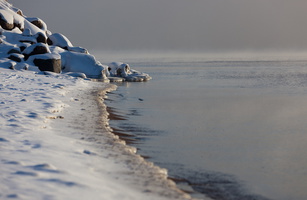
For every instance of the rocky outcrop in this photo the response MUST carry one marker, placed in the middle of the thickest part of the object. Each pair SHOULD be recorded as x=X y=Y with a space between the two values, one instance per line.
x=26 y=43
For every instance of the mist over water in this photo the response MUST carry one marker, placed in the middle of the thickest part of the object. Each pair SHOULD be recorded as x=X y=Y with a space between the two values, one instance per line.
x=232 y=128
x=207 y=25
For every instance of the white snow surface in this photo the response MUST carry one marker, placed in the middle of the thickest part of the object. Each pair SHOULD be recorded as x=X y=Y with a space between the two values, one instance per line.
x=55 y=143
x=55 y=140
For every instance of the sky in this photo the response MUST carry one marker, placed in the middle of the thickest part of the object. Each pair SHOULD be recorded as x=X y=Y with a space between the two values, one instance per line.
x=207 y=25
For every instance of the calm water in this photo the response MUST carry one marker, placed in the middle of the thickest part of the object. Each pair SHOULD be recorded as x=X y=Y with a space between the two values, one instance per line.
x=231 y=127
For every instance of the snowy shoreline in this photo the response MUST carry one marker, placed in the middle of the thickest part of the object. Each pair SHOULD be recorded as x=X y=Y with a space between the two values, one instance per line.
x=56 y=144
x=55 y=139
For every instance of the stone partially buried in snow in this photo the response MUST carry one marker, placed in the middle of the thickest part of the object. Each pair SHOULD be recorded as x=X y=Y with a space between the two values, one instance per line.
x=58 y=39
x=39 y=48
x=6 y=20
x=119 y=69
x=37 y=22
x=84 y=63
x=47 y=62
x=16 y=57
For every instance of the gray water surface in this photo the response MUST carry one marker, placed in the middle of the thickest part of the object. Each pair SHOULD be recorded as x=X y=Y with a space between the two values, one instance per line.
x=231 y=128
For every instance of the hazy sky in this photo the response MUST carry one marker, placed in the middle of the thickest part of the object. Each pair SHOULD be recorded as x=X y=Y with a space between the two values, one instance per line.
x=213 y=25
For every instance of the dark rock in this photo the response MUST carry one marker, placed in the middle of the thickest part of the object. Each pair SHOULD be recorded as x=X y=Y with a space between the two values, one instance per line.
x=4 y=24
x=40 y=38
x=23 y=46
x=38 y=23
x=19 y=12
x=35 y=49
x=48 y=62
x=18 y=26
x=13 y=51
x=16 y=57
x=49 y=42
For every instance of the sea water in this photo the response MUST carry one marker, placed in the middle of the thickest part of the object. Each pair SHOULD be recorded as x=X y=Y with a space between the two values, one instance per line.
x=230 y=127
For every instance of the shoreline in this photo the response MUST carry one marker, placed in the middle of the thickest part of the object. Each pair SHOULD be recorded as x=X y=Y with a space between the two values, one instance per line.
x=133 y=140
x=56 y=144
x=149 y=177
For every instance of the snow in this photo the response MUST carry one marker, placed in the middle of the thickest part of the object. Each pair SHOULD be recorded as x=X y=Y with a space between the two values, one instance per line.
x=44 y=25
x=55 y=140
x=56 y=145
x=80 y=62
x=60 y=40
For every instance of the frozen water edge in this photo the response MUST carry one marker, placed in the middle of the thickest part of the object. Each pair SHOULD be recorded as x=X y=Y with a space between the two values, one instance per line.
x=56 y=144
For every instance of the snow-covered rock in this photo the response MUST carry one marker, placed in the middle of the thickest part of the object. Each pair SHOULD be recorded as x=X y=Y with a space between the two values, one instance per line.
x=39 y=48
x=60 y=40
x=85 y=63
x=30 y=36
x=47 y=62
x=38 y=22
x=119 y=69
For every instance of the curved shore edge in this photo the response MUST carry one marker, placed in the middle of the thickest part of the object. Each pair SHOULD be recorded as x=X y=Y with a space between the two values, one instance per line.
x=55 y=139
x=136 y=177
x=56 y=144
x=146 y=176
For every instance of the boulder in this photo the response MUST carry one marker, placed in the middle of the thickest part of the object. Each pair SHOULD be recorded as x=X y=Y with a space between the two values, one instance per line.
x=23 y=46
x=38 y=23
x=39 y=48
x=58 y=39
x=13 y=50
x=19 y=12
x=40 y=38
x=28 y=37
x=6 y=20
x=118 y=69
x=83 y=63
x=47 y=62
x=16 y=57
